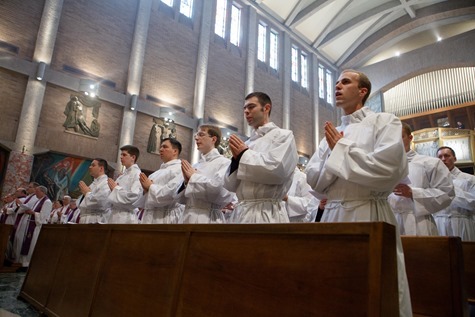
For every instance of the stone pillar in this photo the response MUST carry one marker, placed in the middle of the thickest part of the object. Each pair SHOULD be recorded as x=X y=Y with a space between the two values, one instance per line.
x=202 y=69
x=286 y=78
x=135 y=73
x=20 y=161
x=316 y=103
x=251 y=59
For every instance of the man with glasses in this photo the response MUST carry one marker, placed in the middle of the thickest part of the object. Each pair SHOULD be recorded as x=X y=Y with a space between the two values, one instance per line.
x=262 y=167
x=203 y=189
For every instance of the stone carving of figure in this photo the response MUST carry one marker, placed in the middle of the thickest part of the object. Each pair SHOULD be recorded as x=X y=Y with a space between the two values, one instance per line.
x=156 y=135
x=76 y=118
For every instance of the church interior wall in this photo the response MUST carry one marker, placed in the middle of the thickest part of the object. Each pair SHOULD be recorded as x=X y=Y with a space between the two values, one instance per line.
x=95 y=37
x=19 y=22
x=51 y=134
x=225 y=85
x=301 y=109
x=169 y=69
x=272 y=84
x=12 y=90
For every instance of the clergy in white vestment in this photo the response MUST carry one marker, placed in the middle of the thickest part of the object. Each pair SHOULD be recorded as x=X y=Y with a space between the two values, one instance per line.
x=203 y=191
x=7 y=213
x=262 y=167
x=94 y=204
x=159 y=201
x=358 y=164
x=61 y=215
x=126 y=190
x=38 y=216
x=298 y=197
x=22 y=221
x=430 y=189
x=457 y=219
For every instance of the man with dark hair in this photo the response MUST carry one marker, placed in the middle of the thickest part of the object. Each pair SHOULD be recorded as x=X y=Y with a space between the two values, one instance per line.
x=457 y=219
x=93 y=204
x=430 y=189
x=262 y=167
x=204 y=194
x=358 y=164
x=126 y=190
x=160 y=188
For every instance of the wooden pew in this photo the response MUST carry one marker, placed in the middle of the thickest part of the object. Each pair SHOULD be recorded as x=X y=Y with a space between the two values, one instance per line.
x=214 y=270
x=5 y=231
x=469 y=266
x=435 y=272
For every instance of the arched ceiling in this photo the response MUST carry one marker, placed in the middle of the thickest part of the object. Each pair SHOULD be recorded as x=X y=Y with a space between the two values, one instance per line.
x=357 y=33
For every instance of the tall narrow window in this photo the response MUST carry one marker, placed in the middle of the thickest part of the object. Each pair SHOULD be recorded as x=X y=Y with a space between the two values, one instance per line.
x=304 y=71
x=329 y=87
x=295 y=64
x=274 y=50
x=168 y=2
x=261 y=42
x=220 y=24
x=235 y=33
x=186 y=7
x=321 y=82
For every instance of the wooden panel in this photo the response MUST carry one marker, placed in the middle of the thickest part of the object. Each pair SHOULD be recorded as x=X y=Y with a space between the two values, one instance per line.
x=140 y=273
x=434 y=268
x=5 y=231
x=45 y=257
x=275 y=277
x=77 y=271
x=215 y=270
x=469 y=267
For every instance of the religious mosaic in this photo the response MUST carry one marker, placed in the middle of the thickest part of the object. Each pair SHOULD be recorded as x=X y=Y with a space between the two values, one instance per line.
x=162 y=128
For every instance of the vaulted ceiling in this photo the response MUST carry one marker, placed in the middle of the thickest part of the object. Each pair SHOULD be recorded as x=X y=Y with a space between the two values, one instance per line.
x=356 y=33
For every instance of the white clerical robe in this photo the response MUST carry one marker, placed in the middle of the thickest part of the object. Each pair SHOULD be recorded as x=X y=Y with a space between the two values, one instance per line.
x=160 y=202
x=94 y=206
x=432 y=190
x=457 y=219
x=124 y=195
x=204 y=194
x=10 y=214
x=358 y=175
x=23 y=222
x=298 y=197
x=264 y=176
x=41 y=217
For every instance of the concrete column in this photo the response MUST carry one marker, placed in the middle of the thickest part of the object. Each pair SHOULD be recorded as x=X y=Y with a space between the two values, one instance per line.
x=20 y=161
x=315 y=102
x=286 y=81
x=202 y=69
x=134 y=78
x=251 y=59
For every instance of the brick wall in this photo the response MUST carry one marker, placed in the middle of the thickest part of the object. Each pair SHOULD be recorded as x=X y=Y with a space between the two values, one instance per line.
x=95 y=36
x=51 y=134
x=301 y=115
x=12 y=91
x=19 y=22
x=271 y=85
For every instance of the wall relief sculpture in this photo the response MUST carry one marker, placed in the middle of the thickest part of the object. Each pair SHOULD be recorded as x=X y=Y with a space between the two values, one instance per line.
x=162 y=128
x=82 y=114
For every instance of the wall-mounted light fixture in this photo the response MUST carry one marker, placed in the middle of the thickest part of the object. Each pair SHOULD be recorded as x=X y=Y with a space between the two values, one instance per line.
x=40 y=71
x=133 y=102
x=88 y=87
